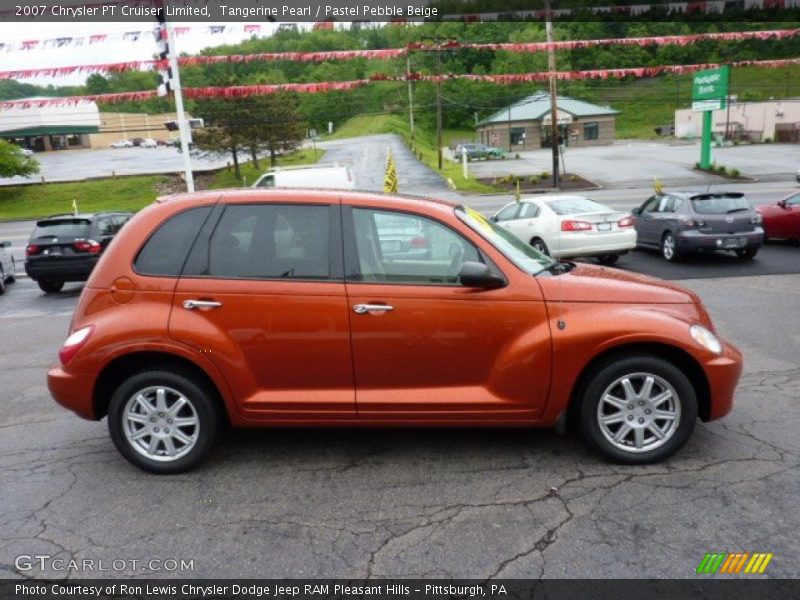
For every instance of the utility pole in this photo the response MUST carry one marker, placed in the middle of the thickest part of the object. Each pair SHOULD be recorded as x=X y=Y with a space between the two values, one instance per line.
x=439 y=104
x=551 y=65
x=410 y=95
x=171 y=82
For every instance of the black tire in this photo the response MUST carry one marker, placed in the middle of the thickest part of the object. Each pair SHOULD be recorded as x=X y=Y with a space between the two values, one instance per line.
x=2 y=282
x=608 y=259
x=667 y=377
x=202 y=406
x=669 y=247
x=747 y=253
x=12 y=277
x=50 y=287
x=538 y=244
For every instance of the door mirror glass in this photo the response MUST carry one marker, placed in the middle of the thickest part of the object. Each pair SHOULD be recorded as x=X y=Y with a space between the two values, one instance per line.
x=475 y=274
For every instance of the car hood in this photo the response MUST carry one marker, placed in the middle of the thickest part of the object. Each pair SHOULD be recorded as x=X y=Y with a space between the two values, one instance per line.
x=589 y=283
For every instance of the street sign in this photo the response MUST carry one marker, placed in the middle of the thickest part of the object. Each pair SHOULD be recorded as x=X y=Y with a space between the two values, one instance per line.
x=703 y=105
x=709 y=91
x=711 y=84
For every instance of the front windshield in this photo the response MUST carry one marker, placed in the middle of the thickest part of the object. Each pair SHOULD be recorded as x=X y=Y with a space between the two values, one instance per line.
x=514 y=249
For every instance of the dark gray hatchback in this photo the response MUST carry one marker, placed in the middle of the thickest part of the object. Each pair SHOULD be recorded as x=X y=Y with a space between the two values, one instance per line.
x=681 y=223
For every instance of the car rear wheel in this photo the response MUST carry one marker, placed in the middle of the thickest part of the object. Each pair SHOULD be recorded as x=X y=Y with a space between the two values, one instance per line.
x=638 y=409
x=51 y=287
x=2 y=282
x=747 y=254
x=539 y=245
x=12 y=277
x=608 y=259
x=669 y=247
x=162 y=421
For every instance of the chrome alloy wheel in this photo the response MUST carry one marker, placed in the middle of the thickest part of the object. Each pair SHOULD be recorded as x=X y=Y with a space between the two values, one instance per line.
x=668 y=247
x=639 y=412
x=160 y=423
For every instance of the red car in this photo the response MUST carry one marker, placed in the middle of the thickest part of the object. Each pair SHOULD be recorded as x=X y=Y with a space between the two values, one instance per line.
x=284 y=308
x=782 y=219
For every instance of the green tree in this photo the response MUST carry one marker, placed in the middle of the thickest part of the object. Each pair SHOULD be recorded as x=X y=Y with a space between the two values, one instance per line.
x=13 y=162
x=274 y=124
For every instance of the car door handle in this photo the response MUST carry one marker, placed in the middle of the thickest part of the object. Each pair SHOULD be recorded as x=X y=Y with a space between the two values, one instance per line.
x=192 y=304
x=361 y=309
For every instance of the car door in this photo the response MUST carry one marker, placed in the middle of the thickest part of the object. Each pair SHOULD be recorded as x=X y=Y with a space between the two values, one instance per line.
x=525 y=224
x=788 y=223
x=648 y=228
x=262 y=296
x=427 y=348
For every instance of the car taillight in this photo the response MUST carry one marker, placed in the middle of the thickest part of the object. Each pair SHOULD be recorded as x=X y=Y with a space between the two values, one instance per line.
x=419 y=242
x=32 y=249
x=89 y=246
x=575 y=226
x=626 y=222
x=74 y=343
x=757 y=219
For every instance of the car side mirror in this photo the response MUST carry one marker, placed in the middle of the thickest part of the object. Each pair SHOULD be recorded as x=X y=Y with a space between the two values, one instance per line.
x=493 y=219
x=476 y=274
x=636 y=211
x=782 y=203
x=5 y=244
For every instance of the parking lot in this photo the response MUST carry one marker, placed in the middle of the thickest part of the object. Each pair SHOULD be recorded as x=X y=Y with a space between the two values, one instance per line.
x=417 y=503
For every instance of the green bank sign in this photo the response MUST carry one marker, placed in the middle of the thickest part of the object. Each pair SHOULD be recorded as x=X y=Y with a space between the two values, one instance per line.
x=711 y=84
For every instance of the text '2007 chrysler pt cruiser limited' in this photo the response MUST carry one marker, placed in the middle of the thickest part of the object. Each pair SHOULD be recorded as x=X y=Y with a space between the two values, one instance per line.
x=301 y=308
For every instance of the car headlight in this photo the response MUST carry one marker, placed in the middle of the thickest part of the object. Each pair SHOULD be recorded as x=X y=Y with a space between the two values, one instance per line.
x=706 y=339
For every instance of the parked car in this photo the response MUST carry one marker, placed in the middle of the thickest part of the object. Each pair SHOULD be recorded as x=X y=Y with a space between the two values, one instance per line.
x=320 y=177
x=570 y=226
x=149 y=143
x=67 y=247
x=122 y=144
x=268 y=307
x=782 y=219
x=26 y=152
x=477 y=151
x=682 y=223
x=8 y=269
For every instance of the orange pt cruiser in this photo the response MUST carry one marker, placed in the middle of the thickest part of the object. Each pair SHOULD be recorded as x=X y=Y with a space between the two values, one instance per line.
x=318 y=308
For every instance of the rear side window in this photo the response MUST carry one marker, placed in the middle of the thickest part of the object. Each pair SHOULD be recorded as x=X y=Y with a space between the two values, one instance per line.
x=271 y=241
x=165 y=251
x=78 y=228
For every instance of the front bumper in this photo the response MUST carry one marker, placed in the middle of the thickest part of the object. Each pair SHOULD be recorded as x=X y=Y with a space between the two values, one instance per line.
x=723 y=373
x=693 y=240
x=72 y=391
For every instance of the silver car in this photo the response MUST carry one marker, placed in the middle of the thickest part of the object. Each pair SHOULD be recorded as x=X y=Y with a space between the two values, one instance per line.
x=7 y=266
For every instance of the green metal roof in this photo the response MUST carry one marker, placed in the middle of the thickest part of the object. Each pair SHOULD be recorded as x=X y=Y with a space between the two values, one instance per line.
x=536 y=106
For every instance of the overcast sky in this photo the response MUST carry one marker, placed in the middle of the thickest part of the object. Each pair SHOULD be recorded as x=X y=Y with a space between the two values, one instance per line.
x=114 y=49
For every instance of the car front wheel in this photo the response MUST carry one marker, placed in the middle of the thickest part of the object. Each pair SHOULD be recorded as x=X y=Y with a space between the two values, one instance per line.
x=669 y=247
x=163 y=421
x=638 y=409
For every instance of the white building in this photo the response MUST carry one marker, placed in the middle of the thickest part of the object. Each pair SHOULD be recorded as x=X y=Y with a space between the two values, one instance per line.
x=44 y=128
x=778 y=120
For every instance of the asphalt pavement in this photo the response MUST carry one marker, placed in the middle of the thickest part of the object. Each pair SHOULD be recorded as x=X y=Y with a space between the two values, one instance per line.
x=408 y=503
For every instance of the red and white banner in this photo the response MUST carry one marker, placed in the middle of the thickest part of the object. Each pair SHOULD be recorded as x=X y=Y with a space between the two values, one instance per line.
x=391 y=53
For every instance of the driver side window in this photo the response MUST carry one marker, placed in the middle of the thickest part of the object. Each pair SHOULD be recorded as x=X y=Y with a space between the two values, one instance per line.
x=396 y=247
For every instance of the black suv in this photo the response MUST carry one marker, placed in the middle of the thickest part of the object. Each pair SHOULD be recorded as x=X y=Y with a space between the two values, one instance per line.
x=66 y=247
x=682 y=223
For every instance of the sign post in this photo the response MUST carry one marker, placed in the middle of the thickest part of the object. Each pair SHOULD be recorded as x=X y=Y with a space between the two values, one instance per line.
x=709 y=91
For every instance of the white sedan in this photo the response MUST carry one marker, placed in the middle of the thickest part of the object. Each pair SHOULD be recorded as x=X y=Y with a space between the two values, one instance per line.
x=122 y=144
x=570 y=226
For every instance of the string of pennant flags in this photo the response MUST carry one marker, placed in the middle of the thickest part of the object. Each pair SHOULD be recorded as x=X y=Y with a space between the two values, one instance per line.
x=390 y=53
x=247 y=91
x=66 y=41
